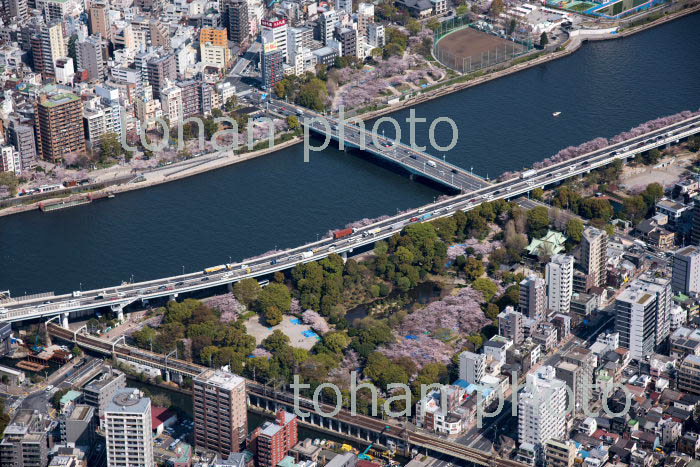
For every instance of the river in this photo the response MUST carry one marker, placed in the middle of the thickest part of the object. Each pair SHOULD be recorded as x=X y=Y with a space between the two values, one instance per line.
x=280 y=201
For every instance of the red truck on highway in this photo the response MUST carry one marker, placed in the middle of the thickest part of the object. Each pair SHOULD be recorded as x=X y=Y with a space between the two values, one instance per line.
x=342 y=233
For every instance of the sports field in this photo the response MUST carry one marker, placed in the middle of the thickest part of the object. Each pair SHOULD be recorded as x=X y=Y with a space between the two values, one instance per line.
x=474 y=49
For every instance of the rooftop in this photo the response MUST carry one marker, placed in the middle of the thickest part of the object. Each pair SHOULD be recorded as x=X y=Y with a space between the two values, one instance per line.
x=129 y=400
x=59 y=99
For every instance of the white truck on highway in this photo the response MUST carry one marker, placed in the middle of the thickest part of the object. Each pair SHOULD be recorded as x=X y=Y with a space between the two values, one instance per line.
x=528 y=173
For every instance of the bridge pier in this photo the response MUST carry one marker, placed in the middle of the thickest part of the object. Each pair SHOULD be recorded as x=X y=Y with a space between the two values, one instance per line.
x=64 y=321
x=119 y=310
x=166 y=376
x=229 y=287
x=172 y=297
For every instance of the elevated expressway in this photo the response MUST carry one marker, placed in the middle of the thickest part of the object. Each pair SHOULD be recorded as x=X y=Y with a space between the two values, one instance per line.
x=119 y=296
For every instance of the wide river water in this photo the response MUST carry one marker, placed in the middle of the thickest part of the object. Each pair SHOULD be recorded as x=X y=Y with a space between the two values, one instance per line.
x=280 y=201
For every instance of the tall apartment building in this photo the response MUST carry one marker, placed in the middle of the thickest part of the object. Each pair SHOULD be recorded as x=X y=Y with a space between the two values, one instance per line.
x=533 y=298
x=472 y=366
x=236 y=19
x=159 y=70
x=100 y=391
x=271 y=61
x=365 y=17
x=327 y=22
x=48 y=46
x=299 y=39
x=560 y=283
x=17 y=10
x=25 y=441
x=98 y=13
x=220 y=412
x=10 y=160
x=59 y=125
x=541 y=404
x=348 y=41
x=78 y=427
x=576 y=370
x=91 y=58
x=642 y=314
x=686 y=270
x=21 y=136
x=594 y=256
x=376 y=36
x=278 y=30
x=128 y=430
x=345 y=5
x=511 y=325
x=689 y=375
x=272 y=441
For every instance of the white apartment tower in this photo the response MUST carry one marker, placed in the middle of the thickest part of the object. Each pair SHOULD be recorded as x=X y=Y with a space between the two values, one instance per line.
x=642 y=315
x=686 y=270
x=327 y=21
x=541 y=409
x=279 y=33
x=594 y=256
x=472 y=366
x=560 y=283
x=533 y=298
x=128 y=430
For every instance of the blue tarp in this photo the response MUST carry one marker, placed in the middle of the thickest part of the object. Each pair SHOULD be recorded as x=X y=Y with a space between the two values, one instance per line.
x=296 y=321
x=412 y=337
x=310 y=334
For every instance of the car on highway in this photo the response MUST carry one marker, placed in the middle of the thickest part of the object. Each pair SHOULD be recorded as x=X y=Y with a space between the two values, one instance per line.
x=204 y=279
x=162 y=287
x=179 y=284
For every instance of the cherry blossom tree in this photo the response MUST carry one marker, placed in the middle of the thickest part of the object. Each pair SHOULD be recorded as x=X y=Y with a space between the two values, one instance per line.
x=316 y=321
x=229 y=307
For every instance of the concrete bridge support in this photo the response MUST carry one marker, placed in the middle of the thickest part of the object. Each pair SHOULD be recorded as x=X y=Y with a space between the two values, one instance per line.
x=119 y=310
x=229 y=287
x=166 y=376
x=172 y=297
x=64 y=320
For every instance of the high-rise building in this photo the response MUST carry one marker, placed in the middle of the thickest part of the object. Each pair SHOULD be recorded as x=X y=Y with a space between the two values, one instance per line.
x=594 y=256
x=642 y=314
x=48 y=46
x=348 y=41
x=689 y=375
x=511 y=325
x=98 y=14
x=59 y=124
x=375 y=35
x=365 y=17
x=128 y=430
x=273 y=440
x=159 y=70
x=220 y=411
x=15 y=9
x=271 y=61
x=695 y=230
x=541 y=409
x=533 y=298
x=686 y=270
x=237 y=21
x=560 y=283
x=21 y=136
x=585 y=363
x=472 y=366
x=91 y=59
x=327 y=22
x=278 y=28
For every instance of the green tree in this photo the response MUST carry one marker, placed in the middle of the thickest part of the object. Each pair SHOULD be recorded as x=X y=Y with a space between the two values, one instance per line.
x=462 y=10
x=111 y=147
x=230 y=104
x=275 y=295
x=337 y=342
x=538 y=221
x=247 y=291
x=10 y=181
x=272 y=315
x=413 y=27
x=473 y=268
x=487 y=287
x=293 y=122
x=76 y=351
x=544 y=40
x=651 y=157
x=276 y=342
x=433 y=24
x=574 y=230
x=538 y=194
x=652 y=193
x=635 y=208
